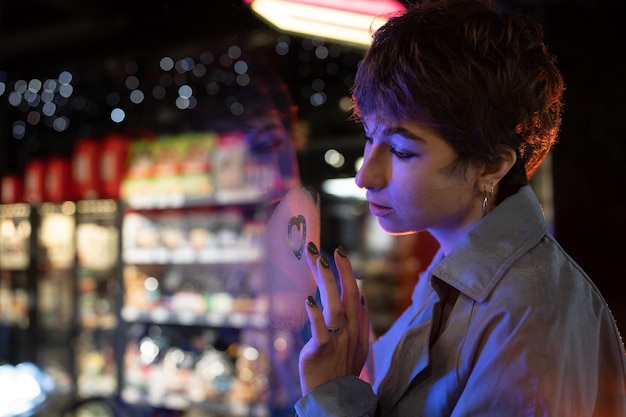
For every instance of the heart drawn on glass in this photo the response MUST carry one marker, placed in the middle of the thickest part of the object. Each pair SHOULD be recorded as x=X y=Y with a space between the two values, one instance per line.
x=296 y=235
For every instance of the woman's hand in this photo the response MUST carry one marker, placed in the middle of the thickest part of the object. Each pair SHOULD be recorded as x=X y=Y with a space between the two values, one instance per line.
x=340 y=331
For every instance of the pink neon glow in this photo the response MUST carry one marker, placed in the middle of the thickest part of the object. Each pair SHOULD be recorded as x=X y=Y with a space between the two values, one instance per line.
x=367 y=7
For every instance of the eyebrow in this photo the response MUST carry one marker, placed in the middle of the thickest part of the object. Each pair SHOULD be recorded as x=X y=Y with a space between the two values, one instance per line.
x=399 y=130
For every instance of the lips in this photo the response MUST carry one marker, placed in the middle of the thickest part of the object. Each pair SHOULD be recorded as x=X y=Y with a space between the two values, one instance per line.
x=378 y=210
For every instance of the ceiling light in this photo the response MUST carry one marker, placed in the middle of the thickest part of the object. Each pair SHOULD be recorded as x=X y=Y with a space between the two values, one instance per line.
x=349 y=21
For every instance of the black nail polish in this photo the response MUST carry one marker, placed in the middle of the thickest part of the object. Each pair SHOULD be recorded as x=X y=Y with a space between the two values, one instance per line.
x=312 y=248
x=311 y=301
x=342 y=252
x=324 y=261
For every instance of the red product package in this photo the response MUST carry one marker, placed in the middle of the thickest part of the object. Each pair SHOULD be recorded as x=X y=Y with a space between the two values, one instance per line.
x=58 y=185
x=12 y=189
x=86 y=168
x=34 y=181
x=113 y=165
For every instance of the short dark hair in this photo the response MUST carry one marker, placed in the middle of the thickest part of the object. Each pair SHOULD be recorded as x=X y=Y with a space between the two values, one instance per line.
x=482 y=78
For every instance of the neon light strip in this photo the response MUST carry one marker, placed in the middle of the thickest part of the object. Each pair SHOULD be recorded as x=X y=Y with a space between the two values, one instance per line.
x=341 y=24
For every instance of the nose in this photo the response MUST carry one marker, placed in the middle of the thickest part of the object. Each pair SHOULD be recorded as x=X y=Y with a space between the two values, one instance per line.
x=373 y=172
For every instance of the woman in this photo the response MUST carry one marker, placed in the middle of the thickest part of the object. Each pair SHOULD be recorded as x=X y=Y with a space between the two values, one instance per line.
x=460 y=105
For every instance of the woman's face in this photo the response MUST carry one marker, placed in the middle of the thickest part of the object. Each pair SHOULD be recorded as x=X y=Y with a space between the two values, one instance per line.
x=410 y=187
x=271 y=147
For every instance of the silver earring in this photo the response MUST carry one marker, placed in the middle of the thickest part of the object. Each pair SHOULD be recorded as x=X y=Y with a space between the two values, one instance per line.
x=486 y=197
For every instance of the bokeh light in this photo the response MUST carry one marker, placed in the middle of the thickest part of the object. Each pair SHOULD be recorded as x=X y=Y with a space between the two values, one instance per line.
x=118 y=115
x=57 y=101
x=65 y=78
x=60 y=123
x=132 y=82
x=185 y=91
x=136 y=96
x=166 y=63
x=159 y=92
x=19 y=129
x=334 y=158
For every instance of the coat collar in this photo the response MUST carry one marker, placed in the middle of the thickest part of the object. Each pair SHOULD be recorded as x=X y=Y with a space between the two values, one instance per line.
x=479 y=260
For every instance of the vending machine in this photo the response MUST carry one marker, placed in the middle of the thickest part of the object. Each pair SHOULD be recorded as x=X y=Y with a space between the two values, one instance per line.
x=17 y=312
x=98 y=292
x=54 y=260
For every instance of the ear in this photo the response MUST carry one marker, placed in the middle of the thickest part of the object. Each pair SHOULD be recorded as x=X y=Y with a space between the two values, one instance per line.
x=494 y=172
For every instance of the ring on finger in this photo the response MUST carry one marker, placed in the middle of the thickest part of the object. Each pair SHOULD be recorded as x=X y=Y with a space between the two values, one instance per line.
x=333 y=329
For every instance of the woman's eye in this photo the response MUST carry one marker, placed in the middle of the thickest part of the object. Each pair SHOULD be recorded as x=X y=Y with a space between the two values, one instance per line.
x=401 y=154
x=265 y=147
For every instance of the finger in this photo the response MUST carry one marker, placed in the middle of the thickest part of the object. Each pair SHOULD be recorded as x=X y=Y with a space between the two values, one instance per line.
x=312 y=254
x=329 y=293
x=316 y=318
x=312 y=257
x=350 y=293
x=347 y=278
x=327 y=286
x=365 y=326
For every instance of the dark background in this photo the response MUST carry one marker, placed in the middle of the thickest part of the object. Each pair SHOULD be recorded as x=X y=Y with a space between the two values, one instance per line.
x=40 y=38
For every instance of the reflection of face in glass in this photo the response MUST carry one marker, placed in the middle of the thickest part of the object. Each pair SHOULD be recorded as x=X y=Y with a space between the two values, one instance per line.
x=270 y=145
x=263 y=111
